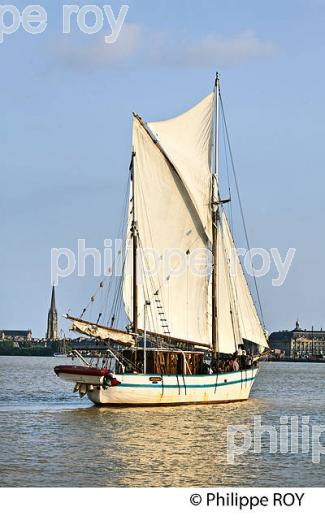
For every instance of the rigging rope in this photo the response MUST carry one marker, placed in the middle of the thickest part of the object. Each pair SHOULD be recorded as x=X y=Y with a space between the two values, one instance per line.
x=228 y=176
x=241 y=208
x=113 y=284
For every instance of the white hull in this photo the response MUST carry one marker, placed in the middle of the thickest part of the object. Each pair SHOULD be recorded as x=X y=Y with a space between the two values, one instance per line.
x=139 y=390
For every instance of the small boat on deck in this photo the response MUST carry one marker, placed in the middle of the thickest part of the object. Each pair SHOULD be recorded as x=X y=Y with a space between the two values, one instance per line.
x=81 y=374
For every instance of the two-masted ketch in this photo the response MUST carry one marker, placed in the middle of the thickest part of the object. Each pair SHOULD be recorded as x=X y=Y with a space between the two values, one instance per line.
x=194 y=334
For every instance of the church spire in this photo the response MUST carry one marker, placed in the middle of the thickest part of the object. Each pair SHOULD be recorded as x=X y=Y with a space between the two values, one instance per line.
x=52 y=319
x=52 y=308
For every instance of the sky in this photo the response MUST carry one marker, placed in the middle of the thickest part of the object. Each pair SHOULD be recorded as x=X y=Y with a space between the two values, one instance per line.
x=65 y=138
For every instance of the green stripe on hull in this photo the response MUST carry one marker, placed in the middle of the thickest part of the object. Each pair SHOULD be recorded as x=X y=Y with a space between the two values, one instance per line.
x=215 y=384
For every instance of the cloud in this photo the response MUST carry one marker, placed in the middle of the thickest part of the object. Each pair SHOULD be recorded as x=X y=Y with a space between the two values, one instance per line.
x=212 y=49
x=154 y=49
x=94 y=53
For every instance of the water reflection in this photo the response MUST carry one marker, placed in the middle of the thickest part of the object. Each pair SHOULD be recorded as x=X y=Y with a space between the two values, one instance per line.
x=52 y=438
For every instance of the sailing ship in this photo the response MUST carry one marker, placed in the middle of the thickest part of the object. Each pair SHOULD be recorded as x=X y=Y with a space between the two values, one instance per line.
x=194 y=334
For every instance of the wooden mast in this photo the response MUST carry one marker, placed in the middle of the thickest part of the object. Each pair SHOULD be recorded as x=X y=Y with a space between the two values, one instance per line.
x=215 y=218
x=134 y=250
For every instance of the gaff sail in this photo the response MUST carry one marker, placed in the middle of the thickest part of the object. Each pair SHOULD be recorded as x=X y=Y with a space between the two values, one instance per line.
x=172 y=205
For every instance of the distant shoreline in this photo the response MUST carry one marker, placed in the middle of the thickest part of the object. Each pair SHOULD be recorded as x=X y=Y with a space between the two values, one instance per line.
x=28 y=351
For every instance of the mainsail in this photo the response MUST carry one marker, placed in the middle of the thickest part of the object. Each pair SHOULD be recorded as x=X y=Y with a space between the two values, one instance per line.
x=172 y=204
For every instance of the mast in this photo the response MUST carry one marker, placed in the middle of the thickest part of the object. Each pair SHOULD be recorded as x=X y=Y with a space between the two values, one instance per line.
x=215 y=218
x=134 y=249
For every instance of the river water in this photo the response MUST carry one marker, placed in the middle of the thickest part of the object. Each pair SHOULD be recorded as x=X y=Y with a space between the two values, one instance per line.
x=50 y=437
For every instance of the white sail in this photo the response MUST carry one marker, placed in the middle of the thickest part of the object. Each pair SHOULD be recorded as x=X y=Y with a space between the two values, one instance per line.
x=249 y=323
x=94 y=330
x=173 y=214
x=228 y=334
x=169 y=225
x=187 y=140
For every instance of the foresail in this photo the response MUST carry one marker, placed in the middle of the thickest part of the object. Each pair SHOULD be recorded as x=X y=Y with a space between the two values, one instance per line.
x=249 y=323
x=187 y=141
x=228 y=335
x=169 y=233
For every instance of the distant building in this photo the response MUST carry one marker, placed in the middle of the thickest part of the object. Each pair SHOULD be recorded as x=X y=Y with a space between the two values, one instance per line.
x=52 y=320
x=299 y=342
x=15 y=335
